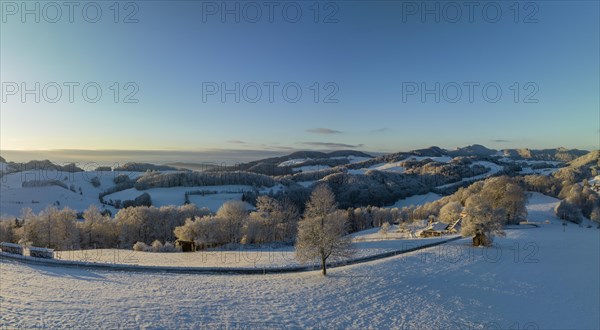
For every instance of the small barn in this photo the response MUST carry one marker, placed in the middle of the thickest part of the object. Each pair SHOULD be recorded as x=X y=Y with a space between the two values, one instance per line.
x=186 y=246
x=11 y=248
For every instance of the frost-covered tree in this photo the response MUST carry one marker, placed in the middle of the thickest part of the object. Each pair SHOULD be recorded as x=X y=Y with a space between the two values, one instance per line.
x=385 y=228
x=157 y=246
x=595 y=215
x=322 y=231
x=140 y=246
x=504 y=193
x=568 y=211
x=482 y=221
x=204 y=231
x=132 y=224
x=450 y=212
x=97 y=230
x=52 y=228
x=7 y=230
x=273 y=221
x=234 y=214
x=147 y=224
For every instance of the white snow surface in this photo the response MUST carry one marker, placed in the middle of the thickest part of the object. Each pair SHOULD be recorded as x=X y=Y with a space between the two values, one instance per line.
x=493 y=169
x=395 y=166
x=537 y=278
x=293 y=162
x=14 y=197
x=390 y=167
x=367 y=243
x=311 y=168
x=416 y=200
x=306 y=184
x=176 y=195
x=353 y=159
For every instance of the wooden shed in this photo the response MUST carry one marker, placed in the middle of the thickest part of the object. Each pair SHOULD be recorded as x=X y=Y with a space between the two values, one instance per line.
x=186 y=246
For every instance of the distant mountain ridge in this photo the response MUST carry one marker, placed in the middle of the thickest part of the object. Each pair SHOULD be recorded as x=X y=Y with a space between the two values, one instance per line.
x=473 y=150
x=312 y=155
x=556 y=154
x=334 y=158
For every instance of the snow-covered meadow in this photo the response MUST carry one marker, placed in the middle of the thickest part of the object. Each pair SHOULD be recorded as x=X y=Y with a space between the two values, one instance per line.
x=535 y=278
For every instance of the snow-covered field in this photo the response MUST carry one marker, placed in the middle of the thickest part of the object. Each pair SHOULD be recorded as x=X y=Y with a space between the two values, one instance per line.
x=176 y=195
x=14 y=196
x=416 y=200
x=367 y=243
x=396 y=167
x=311 y=168
x=539 y=278
x=493 y=169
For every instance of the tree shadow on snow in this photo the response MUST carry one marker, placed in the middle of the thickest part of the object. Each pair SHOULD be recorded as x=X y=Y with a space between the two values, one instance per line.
x=67 y=272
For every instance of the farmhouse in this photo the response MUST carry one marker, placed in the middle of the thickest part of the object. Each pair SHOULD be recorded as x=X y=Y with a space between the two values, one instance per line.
x=436 y=229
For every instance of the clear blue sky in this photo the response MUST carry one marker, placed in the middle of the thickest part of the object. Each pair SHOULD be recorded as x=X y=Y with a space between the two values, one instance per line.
x=373 y=49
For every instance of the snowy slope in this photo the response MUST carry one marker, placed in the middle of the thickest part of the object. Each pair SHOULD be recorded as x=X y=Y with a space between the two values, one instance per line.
x=14 y=197
x=214 y=202
x=533 y=279
x=176 y=195
x=391 y=167
x=492 y=169
x=311 y=168
x=293 y=162
x=416 y=200
x=353 y=159
x=396 y=167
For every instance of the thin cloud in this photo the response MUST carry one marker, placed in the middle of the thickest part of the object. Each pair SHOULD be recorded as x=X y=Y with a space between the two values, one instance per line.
x=236 y=141
x=500 y=141
x=379 y=130
x=332 y=145
x=321 y=130
x=276 y=147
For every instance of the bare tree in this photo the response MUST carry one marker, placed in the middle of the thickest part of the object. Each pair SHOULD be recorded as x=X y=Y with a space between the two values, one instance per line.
x=322 y=231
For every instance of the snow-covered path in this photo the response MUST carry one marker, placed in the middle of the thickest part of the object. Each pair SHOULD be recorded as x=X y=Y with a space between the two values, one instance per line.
x=540 y=278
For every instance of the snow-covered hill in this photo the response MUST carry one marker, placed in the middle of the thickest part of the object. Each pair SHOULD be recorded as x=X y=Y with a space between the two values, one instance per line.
x=449 y=169
x=79 y=193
